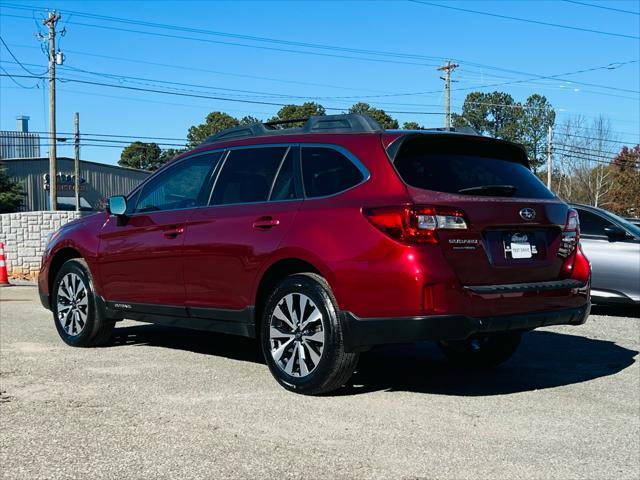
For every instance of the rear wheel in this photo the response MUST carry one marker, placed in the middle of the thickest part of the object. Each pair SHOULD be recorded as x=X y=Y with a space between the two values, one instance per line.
x=302 y=338
x=484 y=351
x=78 y=320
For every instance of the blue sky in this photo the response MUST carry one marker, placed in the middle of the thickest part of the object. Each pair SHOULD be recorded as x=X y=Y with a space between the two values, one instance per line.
x=417 y=37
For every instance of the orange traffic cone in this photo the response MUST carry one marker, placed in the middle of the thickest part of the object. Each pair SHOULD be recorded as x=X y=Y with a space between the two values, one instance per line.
x=4 y=279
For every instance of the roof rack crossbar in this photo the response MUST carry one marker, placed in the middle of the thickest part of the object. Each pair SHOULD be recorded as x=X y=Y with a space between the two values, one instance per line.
x=464 y=129
x=284 y=122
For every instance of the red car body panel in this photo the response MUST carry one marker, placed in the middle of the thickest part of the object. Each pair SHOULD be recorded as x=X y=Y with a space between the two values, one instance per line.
x=142 y=261
x=226 y=245
x=216 y=256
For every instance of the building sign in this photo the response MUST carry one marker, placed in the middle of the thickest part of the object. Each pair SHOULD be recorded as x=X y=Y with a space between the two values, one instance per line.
x=64 y=182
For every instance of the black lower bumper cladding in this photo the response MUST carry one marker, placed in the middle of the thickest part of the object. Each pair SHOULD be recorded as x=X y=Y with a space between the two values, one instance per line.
x=363 y=333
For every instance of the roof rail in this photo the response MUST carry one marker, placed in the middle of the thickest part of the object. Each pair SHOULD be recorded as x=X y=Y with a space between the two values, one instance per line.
x=347 y=123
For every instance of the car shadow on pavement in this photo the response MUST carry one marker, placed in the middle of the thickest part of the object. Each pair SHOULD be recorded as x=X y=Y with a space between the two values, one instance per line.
x=616 y=310
x=545 y=359
x=206 y=343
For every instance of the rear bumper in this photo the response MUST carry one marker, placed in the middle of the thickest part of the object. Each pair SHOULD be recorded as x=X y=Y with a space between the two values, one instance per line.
x=361 y=334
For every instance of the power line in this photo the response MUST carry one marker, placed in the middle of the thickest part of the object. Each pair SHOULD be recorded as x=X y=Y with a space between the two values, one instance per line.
x=58 y=145
x=316 y=98
x=204 y=70
x=360 y=97
x=524 y=107
x=91 y=136
x=194 y=95
x=385 y=54
x=602 y=7
x=11 y=77
x=237 y=100
x=590 y=160
x=115 y=76
x=564 y=85
x=585 y=155
x=230 y=99
x=562 y=134
x=589 y=150
x=16 y=59
x=527 y=20
x=253 y=38
x=558 y=77
x=115 y=136
x=236 y=44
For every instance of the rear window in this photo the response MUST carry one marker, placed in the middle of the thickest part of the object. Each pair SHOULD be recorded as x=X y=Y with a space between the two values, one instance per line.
x=467 y=166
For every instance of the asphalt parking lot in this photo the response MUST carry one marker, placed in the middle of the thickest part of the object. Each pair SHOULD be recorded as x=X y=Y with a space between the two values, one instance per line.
x=166 y=403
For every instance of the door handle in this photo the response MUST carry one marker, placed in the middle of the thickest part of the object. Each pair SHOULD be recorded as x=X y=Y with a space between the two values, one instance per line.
x=265 y=223
x=173 y=232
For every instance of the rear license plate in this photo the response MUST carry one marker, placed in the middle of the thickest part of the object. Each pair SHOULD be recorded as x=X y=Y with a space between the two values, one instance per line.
x=519 y=245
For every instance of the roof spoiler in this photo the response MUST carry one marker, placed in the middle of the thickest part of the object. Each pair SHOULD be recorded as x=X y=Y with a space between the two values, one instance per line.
x=504 y=148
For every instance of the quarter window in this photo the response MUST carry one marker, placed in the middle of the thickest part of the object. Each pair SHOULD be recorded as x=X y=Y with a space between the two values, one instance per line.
x=326 y=171
x=247 y=175
x=179 y=186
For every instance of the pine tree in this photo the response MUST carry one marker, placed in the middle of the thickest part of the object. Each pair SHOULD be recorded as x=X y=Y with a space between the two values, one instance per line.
x=11 y=193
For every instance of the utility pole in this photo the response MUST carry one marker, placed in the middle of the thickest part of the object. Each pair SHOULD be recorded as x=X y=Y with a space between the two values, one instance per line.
x=51 y=22
x=447 y=69
x=549 y=159
x=76 y=160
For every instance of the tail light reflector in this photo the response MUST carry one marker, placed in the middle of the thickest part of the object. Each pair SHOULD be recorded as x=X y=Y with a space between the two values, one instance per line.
x=570 y=234
x=415 y=224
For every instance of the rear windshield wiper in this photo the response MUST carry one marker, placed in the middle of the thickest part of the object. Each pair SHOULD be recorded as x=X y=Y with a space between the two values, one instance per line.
x=498 y=190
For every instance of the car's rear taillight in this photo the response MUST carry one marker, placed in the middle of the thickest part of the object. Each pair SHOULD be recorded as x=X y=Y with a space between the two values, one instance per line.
x=415 y=224
x=570 y=234
x=576 y=264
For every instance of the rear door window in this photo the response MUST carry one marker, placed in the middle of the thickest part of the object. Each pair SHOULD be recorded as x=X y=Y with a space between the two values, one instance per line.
x=247 y=175
x=467 y=167
x=326 y=171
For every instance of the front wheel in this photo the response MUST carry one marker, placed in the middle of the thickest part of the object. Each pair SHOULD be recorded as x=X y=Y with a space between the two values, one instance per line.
x=484 y=351
x=78 y=320
x=302 y=338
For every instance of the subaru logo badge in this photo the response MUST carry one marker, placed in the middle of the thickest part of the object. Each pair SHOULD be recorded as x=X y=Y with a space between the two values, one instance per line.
x=528 y=213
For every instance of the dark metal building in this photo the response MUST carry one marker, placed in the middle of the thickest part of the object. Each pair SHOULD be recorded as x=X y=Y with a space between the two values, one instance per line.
x=20 y=143
x=98 y=181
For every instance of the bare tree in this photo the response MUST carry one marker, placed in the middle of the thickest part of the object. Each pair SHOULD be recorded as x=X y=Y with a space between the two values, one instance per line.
x=583 y=152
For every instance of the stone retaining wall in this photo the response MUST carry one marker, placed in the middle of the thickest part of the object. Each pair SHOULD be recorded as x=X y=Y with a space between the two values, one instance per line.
x=24 y=235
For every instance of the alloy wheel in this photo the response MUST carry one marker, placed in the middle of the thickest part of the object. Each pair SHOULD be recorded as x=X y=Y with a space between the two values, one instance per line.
x=73 y=304
x=296 y=335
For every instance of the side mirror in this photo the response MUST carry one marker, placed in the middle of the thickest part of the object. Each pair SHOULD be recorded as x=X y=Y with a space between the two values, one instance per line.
x=615 y=233
x=117 y=205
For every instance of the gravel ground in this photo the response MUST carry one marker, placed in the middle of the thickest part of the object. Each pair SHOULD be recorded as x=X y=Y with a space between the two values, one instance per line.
x=167 y=403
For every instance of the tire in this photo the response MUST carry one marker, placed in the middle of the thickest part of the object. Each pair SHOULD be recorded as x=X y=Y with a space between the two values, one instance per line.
x=486 y=351
x=305 y=355
x=79 y=321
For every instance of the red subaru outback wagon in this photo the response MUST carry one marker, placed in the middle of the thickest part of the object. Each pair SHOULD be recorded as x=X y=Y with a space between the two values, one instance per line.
x=325 y=240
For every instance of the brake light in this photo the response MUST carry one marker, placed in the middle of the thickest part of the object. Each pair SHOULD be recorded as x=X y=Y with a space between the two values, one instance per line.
x=415 y=224
x=570 y=234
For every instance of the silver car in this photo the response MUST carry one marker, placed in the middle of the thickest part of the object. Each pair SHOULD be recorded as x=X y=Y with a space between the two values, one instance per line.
x=612 y=244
